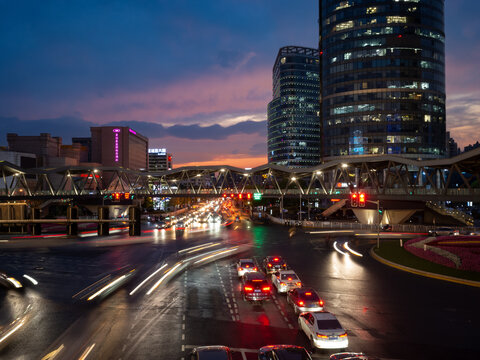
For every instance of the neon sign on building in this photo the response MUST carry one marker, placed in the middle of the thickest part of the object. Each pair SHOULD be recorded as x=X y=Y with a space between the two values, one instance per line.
x=116 y=145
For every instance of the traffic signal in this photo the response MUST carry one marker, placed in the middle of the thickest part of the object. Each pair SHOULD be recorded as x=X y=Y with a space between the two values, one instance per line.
x=361 y=200
x=354 y=200
x=249 y=196
x=240 y=196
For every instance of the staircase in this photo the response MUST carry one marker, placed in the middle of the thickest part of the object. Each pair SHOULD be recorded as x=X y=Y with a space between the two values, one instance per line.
x=454 y=213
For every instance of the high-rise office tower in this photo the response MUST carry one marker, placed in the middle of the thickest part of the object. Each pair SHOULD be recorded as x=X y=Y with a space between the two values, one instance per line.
x=159 y=160
x=383 y=77
x=293 y=124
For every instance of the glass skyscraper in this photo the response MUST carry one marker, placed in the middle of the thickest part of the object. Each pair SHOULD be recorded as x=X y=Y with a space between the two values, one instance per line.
x=293 y=117
x=383 y=77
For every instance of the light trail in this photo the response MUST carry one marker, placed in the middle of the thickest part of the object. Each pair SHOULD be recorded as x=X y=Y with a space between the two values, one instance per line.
x=351 y=250
x=106 y=287
x=86 y=352
x=166 y=274
x=193 y=247
x=338 y=250
x=330 y=231
x=32 y=280
x=215 y=254
x=148 y=278
x=15 y=328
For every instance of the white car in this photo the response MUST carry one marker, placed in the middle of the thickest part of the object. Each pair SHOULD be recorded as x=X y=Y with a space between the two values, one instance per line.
x=285 y=280
x=244 y=266
x=444 y=231
x=323 y=330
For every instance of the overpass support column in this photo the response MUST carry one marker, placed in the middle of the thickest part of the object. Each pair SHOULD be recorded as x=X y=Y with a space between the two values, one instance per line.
x=103 y=228
x=72 y=214
x=35 y=215
x=134 y=228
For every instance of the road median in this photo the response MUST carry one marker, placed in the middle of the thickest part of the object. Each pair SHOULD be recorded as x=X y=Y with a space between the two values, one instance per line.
x=391 y=254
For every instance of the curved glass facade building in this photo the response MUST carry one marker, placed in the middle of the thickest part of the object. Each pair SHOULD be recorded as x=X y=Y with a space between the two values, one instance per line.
x=293 y=114
x=383 y=77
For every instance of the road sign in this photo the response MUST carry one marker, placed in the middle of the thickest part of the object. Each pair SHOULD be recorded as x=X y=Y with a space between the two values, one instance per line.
x=257 y=196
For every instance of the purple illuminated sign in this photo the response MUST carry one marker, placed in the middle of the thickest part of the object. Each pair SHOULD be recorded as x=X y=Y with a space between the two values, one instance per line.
x=116 y=131
x=132 y=131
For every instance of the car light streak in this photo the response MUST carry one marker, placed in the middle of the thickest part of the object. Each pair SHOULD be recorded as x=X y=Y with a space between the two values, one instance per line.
x=32 y=280
x=215 y=254
x=86 y=352
x=338 y=250
x=148 y=278
x=203 y=247
x=166 y=274
x=329 y=231
x=351 y=250
x=206 y=253
x=53 y=354
x=15 y=282
x=193 y=247
x=15 y=328
x=106 y=287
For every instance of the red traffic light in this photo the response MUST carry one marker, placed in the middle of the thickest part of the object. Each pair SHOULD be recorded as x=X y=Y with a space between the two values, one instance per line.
x=240 y=196
x=361 y=200
x=224 y=195
x=249 y=196
x=354 y=200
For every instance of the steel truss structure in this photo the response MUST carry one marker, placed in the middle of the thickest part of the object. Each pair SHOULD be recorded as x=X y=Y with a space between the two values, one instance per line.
x=381 y=177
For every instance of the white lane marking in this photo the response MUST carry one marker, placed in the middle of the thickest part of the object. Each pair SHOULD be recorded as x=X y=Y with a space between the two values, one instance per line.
x=183 y=318
x=183 y=336
x=124 y=347
x=233 y=318
x=290 y=326
x=183 y=347
x=244 y=357
x=183 y=326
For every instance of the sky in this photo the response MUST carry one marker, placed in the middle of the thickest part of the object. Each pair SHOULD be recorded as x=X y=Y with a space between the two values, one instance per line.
x=195 y=77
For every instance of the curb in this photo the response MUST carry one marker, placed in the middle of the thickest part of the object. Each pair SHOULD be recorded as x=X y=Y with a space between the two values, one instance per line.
x=422 y=272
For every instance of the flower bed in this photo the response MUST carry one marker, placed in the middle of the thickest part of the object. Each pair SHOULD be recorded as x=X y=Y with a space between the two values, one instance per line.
x=467 y=248
x=429 y=255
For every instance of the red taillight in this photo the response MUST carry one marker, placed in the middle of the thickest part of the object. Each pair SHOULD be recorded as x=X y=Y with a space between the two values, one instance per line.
x=255 y=269
x=321 y=303
x=266 y=288
x=275 y=259
x=343 y=335
x=269 y=265
x=240 y=269
x=289 y=279
x=299 y=284
x=300 y=303
x=247 y=266
x=308 y=293
x=248 y=289
x=322 y=336
x=282 y=283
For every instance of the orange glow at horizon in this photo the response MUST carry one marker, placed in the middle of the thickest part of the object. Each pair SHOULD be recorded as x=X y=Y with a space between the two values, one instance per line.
x=241 y=162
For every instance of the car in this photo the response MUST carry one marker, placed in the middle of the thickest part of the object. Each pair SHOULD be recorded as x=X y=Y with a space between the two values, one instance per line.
x=350 y=356
x=9 y=281
x=305 y=299
x=180 y=226
x=387 y=227
x=212 y=352
x=255 y=287
x=160 y=224
x=244 y=266
x=273 y=264
x=444 y=231
x=283 y=352
x=323 y=330
x=285 y=280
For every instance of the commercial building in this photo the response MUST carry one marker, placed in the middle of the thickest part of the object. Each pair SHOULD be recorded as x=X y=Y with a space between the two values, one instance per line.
x=383 y=77
x=293 y=119
x=86 y=152
x=119 y=146
x=159 y=160
x=48 y=149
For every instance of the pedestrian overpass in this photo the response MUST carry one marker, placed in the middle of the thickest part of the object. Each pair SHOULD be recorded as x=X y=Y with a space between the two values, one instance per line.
x=383 y=177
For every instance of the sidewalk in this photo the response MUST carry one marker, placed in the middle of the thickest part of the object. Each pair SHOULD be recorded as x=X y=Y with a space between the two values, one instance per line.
x=423 y=272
